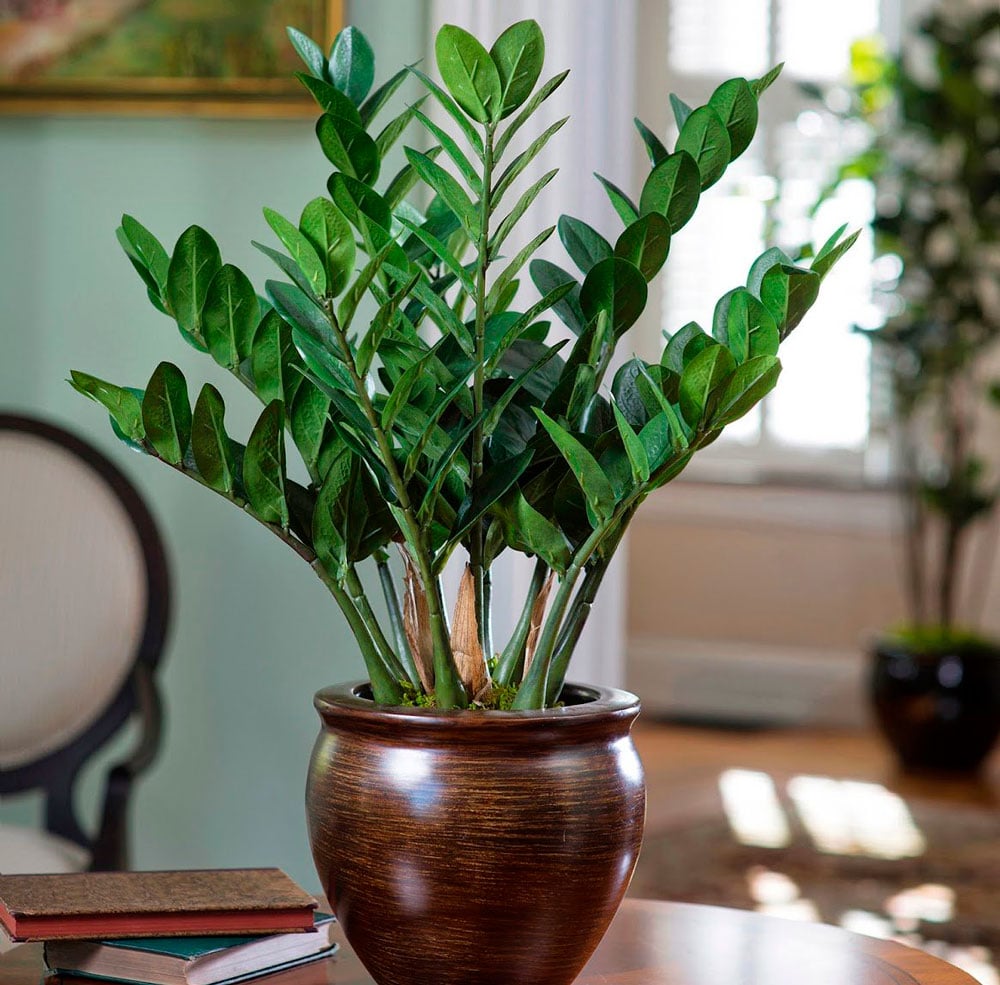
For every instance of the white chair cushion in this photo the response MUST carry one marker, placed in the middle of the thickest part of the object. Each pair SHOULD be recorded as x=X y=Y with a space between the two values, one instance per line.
x=24 y=850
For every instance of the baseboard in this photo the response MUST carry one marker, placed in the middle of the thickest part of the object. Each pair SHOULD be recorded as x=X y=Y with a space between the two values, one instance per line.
x=747 y=683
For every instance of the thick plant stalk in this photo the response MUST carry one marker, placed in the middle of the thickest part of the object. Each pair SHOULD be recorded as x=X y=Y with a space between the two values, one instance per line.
x=396 y=622
x=360 y=599
x=510 y=666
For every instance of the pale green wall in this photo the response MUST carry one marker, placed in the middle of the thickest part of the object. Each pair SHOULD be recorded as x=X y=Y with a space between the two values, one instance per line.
x=255 y=633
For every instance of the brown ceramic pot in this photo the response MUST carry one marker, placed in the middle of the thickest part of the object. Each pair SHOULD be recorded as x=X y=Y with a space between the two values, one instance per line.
x=475 y=848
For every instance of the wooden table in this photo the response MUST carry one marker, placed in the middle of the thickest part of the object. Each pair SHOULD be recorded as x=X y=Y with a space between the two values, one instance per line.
x=653 y=943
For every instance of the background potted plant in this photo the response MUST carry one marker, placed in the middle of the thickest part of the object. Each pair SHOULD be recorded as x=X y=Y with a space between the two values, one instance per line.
x=471 y=815
x=933 y=156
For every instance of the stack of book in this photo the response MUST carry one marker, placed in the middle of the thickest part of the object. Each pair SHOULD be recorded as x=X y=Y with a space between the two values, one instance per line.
x=167 y=928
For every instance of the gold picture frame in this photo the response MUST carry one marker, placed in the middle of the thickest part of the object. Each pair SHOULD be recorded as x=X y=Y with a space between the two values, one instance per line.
x=141 y=57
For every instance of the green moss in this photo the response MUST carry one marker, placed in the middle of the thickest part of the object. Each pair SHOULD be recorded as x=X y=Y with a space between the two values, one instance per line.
x=938 y=639
x=501 y=698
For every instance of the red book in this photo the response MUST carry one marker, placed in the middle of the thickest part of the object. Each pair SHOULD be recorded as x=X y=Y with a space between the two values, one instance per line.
x=186 y=903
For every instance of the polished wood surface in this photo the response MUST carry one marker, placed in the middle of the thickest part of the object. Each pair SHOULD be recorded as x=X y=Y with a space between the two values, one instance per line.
x=652 y=943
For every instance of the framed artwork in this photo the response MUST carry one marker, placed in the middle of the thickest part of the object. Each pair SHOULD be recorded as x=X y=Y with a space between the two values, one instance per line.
x=158 y=57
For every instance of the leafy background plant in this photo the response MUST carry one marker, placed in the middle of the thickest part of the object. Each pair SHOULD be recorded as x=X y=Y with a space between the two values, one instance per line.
x=447 y=421
x=933 y=156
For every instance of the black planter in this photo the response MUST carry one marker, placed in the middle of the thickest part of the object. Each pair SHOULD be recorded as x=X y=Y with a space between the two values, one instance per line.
x=940 y=710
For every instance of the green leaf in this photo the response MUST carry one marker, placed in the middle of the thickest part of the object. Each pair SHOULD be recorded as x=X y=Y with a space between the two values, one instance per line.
x=594 y=483
x=616 y=287
x=326 y=229
x=352 y=64
x=451 y=148
x=296 y=308
x=832 y=251
x=622 y=204
x=654 y=146
x=527 y=530
x=230 y=316
x=637 y=457
x=680 y=109
x=145 y=250
x=122 y=404
x=645 y=243
x=743 y=324
x=788 y=293
x=527 y=112
x=309 y=52
x=516 y=167
x=513 y=217
x=657 y=442
x=210 y=445
x=548 y=278
x=768 y=259
x=672 y=189
x=585 y=245
x=166 y=413
x=330 y=98
x=512 y=269
x=348 y=147
x=395 y=128
x=469 y=73
x=680 y=434
x=448 y=188
x=674 y=355
x=329 y=530
x=454 y=111
x=518 y=55
x=274 y=360
x=442 y=253
x=492 y=486
x=264 y=466
x=736 y=106
x=359 y=203
x=289 y=267
x=701 y=376
x=309 y=414
x=705 y=138
x=370 y=107
x=195 y=261
x=746 y=387
x=759 y=85
x=300 y=250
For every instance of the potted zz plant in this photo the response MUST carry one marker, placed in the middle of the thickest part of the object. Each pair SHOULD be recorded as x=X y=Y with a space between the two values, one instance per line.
x=472 y=817
x=932 y=156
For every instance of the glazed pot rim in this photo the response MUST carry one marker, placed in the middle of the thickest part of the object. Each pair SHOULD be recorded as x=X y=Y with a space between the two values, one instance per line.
x=599 y=704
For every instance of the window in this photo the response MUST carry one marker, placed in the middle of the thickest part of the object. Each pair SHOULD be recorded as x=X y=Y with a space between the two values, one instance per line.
x=818 y=418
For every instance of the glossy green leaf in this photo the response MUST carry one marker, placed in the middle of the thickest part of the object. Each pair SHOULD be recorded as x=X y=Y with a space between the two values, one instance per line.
x=121 y=403
x=309 y=52
x=450 y=146
x=301 y=313
x=594 y=483
x=289 y=267
x=654 y=146
x=743 y=324
x=680 y=433
x=701 y=376
x=584 y=244
x=210 y=445
x=516 y=167
x=645 y=243
x=352 y=64
x=329 y=529
x=832 y=250
x=230 y=316
x=527 y=530
x=769 y=258
x=788 y=293
x=195 y=261
x=448 y=188
x=370 y=108
x=620 y=202
x=166 y=413
x=672 y=189
x=506 y=278
x=264 y=466
x=359 y=203
x=442 y=253
x=518 y=54
x=309 y=415
x=674 y=357
x=759 y=85
x=454 y=111
x=705 y=138
x=469 y=73
x=680 y=109
x=274 y=360
x=657 y=441
x=747 y=386
x=300 y=250
x=492 y=486
x=614 y=286
x=328 y=232
x=396 y=127
x=147 y=254
x=548 y=278
x=634 y=449
x=527 y=112
x=330 y=99
x=736 y=106
x=348 y=147
x=506 y=227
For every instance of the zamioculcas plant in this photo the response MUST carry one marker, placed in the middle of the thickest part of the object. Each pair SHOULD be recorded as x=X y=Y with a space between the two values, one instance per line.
x=451 y=418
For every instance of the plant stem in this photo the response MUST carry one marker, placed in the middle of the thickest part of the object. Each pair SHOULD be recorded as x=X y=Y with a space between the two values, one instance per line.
x=360 y=599
x=511 y=663
x=482 y=264
x=447 y=685
x=396 y=622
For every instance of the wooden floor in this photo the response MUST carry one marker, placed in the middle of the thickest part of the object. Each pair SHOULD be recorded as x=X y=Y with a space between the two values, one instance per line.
x=682 y=762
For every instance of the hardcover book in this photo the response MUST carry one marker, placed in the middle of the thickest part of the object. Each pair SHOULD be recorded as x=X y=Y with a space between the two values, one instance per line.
x=193 y=903
x=189 y=960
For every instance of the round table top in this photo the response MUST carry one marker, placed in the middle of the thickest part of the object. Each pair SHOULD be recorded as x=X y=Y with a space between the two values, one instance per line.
x=655 y=943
